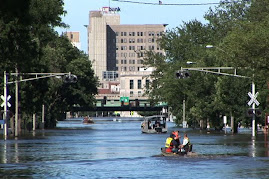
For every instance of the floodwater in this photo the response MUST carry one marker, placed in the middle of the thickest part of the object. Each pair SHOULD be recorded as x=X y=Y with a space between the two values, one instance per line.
x=118 y=149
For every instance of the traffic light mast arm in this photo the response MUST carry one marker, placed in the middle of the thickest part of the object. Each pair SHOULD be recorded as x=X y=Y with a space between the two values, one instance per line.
x=38 y=76
x=210 y=70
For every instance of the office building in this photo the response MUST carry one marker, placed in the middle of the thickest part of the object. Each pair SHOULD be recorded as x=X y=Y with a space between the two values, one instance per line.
x=115 y=48
x=74 y=38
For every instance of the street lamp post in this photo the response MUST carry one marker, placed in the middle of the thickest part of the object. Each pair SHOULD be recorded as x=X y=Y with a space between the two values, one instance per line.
x=254 y=101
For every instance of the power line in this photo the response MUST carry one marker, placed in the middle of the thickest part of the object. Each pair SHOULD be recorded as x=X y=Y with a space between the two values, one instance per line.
x=175 y=4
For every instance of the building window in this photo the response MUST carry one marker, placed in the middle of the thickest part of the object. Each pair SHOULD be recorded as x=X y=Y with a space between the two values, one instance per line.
x=131 y=84
x=151 y=47
x=139 y=84
x=139 y=93
x=147 y=83
x=131 y=93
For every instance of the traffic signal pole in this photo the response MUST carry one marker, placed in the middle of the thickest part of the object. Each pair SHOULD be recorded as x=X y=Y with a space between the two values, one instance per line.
x=213 y=70
x=71 y=79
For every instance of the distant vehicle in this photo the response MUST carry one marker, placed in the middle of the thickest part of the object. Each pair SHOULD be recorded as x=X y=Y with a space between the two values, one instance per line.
x=87 y=120
x=154 y=124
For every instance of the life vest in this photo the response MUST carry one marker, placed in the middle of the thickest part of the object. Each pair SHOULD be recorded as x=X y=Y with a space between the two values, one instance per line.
x=175 y=133
x=168 y=142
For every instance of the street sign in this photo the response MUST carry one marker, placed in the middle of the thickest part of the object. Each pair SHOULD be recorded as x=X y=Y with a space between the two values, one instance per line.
x=125 y=100
x=4 y=101
x=253 y=99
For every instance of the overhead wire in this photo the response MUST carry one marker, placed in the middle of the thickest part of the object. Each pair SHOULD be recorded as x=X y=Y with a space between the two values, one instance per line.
x=176 y=4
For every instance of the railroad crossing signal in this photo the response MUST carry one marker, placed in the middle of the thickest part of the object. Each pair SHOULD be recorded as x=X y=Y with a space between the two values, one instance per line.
x=253 y=99
x=5 y=102
x=252 y=112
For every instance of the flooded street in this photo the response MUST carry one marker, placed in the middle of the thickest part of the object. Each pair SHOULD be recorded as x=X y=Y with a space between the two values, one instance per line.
x=112 y=149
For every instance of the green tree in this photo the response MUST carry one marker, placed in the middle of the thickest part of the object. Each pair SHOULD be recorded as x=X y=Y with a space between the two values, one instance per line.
x=29 y=43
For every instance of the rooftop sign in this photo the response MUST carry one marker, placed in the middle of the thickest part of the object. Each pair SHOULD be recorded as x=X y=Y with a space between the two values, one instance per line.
x=110 y=9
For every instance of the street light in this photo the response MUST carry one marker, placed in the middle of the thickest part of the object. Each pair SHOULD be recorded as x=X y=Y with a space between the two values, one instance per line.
x=253 y=95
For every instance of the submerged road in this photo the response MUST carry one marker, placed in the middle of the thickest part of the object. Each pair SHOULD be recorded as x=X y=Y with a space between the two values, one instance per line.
x=112 y=149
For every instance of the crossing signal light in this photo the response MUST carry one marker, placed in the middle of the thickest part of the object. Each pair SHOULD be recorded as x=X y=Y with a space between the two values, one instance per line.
x=256 y=112
x=183 y=74
x=250 y=112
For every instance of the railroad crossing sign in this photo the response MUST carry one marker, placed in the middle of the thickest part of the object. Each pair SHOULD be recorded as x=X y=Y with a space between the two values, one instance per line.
x=253 y=99
x=4 y=101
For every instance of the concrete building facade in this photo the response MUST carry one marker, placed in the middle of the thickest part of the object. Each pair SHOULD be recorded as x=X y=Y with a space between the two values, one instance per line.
x=116 y=48
x=74 y=38
x=116 y=52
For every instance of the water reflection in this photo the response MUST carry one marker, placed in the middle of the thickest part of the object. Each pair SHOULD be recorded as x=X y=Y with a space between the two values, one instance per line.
x=253 y=147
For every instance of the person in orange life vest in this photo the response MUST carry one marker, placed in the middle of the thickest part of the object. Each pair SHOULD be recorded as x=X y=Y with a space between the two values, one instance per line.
x=176 y=133
x=171 y=144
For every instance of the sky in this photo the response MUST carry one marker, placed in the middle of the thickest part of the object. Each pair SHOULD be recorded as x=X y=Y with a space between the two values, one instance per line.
x=133 y=13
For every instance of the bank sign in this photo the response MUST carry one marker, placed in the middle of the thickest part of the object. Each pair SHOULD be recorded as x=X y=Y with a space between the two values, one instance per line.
x=110 y=9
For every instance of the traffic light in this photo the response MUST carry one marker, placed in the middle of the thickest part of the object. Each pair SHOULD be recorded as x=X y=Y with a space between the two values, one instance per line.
x=104 y=100
x=136 y=102
x=70 y=79
x=183 y=74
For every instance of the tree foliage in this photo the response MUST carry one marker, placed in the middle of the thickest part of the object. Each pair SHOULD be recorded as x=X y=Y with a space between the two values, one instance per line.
x=29 y=43
x=239 y=36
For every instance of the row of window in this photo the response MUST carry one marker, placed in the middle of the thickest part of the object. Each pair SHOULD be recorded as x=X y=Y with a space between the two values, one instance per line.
x=110 y=74
x=130 y=61
x=139 y=93
x=133 y=54
x=150 y=33
x=139 y=84
x=128 y=68
x=150 y=47
x=150 y=40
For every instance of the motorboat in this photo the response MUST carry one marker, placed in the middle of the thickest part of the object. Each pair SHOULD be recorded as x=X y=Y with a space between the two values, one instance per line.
x=87 y=120
x=181 y=152
x=154 y=124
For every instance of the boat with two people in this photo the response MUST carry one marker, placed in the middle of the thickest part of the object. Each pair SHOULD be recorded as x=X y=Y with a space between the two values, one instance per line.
x=154 y=124
x=87 y=120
